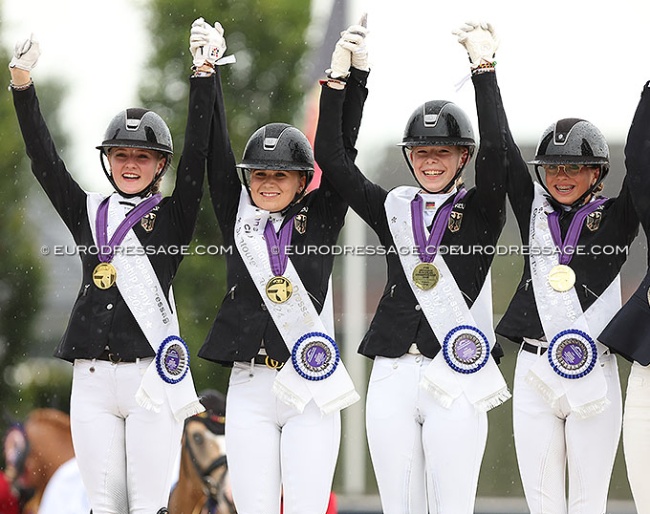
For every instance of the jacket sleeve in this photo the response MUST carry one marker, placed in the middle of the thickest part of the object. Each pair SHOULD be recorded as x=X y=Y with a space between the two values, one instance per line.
x=338 y=122
x=188 y=190
x=491 y=161
x=223 y=180
x=66 y=196
x=355 y=98
x=637 y=160
x=499 y=161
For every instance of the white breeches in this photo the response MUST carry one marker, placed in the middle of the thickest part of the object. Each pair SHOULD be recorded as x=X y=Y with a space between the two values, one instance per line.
x=126 y=454
x=275 y=450
x=548 y=439
x=426 y=457
x=636 y=435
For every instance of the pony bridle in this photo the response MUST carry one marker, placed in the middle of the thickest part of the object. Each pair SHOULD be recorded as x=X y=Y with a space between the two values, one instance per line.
x=211 y=487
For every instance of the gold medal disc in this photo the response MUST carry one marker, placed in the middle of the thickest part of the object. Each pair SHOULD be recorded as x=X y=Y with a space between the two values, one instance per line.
x=561 y=278
x=104 y=275
x=279 y=289
x=426 y=276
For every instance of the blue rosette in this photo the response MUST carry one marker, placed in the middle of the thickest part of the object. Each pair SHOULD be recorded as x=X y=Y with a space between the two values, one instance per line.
x=315 y=356
x=173 y=360
x=466 y=349
x=572 y=354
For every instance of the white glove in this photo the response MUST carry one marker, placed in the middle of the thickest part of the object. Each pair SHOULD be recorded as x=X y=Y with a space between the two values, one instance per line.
x=26 y=53
x=480 y=41
x=355 y=38
x=341 y=61
x=207 y=43
x=350 y=50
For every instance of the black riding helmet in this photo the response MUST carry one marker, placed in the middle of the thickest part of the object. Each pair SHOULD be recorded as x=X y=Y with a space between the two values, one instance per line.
x=277 y=146
x=438 y=123
x=137 y=128
x=572 y=141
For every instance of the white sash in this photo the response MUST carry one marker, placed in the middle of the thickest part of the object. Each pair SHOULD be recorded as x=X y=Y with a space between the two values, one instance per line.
x=293 y=318
x=445 y=309
x=143 y=294
x=559 y=311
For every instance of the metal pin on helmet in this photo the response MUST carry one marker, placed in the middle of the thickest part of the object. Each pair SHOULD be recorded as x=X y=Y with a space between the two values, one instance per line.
x=137 y=128
x=438 y=123
x=572 y=141
x=277 y=146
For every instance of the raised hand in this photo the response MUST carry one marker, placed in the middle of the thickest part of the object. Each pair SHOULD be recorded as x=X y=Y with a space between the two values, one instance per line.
x=480 y=41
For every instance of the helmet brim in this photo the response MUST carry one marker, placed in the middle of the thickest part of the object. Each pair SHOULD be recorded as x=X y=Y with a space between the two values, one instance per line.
x=569 y=159
x=278 y=165
x=125 y=143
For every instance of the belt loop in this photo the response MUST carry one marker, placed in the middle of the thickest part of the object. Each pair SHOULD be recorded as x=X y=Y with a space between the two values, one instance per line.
x=250 y=371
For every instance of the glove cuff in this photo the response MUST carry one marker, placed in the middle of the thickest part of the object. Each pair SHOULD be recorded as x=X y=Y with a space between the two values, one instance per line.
x=331 y=74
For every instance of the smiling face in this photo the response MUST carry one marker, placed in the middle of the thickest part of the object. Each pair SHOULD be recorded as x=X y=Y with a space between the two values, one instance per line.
x=567 y=183
x=133 y=169
x=436 y=166
x=274 y=190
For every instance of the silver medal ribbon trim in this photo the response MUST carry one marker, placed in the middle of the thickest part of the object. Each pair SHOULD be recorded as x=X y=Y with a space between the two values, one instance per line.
x=173 y=360
x=572 y=354
x=466 y=349
x=315 y=356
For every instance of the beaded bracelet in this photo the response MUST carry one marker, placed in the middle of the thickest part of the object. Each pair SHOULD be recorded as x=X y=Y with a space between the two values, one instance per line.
x=478 y=71
x=22 y=87
x=484 y=67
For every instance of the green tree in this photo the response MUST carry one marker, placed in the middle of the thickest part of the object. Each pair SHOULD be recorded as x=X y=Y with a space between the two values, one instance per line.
x=268 y=39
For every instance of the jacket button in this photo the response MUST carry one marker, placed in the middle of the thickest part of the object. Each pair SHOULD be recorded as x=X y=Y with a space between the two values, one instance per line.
x=109 y=306
x=418 y=308
x=263 y=307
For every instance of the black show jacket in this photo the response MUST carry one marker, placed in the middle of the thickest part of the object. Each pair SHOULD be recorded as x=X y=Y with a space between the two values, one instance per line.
x=101 y=318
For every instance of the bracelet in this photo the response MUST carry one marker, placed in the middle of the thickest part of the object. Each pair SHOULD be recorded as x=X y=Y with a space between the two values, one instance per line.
x=334 y=83
x=195 y=68
x=484 y=67
x=202 y=74
x=478 y=71
x=21 y=87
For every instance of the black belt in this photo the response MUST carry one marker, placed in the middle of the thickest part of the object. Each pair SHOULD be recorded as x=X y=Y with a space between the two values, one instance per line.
x=108 y=355
x=527 y=347
x=267 y=361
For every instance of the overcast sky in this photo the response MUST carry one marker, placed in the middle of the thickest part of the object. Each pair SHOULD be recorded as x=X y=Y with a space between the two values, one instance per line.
x=557 y=58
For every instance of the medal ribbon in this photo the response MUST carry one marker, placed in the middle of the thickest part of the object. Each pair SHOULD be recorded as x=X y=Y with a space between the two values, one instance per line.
x=573 y=234
x=276 y=246
x=428 y=247
x=101 y=225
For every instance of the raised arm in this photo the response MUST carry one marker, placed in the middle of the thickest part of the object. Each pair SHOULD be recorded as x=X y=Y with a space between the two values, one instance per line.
x=223 y=181
x=499 y=165
x=341 y=107
x=637 y=159
x=190 y=174
x=65 y=194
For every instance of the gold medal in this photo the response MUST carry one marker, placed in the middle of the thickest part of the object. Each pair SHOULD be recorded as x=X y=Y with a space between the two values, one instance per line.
x=426 y=276
x=279 y=289
x=104 y=275
x=561 y=278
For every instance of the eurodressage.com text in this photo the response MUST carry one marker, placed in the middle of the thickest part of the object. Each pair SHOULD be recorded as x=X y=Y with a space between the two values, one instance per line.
x=336 y=250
